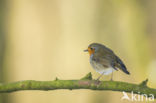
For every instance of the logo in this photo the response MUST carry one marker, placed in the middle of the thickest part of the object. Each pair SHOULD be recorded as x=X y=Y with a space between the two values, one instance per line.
x=137 y=97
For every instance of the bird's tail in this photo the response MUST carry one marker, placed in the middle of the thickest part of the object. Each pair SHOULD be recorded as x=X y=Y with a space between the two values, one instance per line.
x=121 y=65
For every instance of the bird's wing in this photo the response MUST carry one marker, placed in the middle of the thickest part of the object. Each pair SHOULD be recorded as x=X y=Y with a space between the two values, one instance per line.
x=105 y=61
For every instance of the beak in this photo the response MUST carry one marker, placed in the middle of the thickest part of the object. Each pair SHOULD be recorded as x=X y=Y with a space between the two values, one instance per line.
x=86 y=50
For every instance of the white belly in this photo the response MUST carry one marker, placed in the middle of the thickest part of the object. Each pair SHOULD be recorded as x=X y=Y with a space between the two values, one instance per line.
x=101 y=69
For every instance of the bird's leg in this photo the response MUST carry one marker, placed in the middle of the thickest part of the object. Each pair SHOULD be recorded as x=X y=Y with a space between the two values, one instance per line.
x=111 y=76
x=99 y=76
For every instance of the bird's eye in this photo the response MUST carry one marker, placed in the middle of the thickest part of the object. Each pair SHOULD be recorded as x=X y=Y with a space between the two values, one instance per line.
x=91 y=48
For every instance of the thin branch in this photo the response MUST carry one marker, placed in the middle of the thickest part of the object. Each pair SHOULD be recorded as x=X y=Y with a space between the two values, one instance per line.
x=85 y=83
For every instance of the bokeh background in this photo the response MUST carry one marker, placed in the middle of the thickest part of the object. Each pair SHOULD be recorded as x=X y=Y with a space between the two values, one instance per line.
x=44 y=39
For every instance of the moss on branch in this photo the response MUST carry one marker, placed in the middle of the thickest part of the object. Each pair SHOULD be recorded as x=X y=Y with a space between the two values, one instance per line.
x=84 y=83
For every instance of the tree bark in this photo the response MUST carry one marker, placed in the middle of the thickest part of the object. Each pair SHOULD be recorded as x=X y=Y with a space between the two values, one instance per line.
x=85 y=83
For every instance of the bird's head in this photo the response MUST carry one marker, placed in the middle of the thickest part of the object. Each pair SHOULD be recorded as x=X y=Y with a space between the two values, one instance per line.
x=93 y=48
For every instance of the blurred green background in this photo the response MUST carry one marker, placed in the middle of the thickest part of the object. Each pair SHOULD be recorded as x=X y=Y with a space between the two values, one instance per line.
x=42 y=39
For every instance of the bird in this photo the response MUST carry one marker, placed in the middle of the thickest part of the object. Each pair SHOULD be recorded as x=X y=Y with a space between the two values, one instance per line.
x=104 y=60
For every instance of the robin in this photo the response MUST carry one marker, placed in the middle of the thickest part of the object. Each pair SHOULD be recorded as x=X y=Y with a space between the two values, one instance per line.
x=104 y=60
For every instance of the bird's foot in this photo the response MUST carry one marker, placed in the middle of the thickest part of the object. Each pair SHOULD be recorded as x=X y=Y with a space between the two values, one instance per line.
x=111 y=79
x=97 y=81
